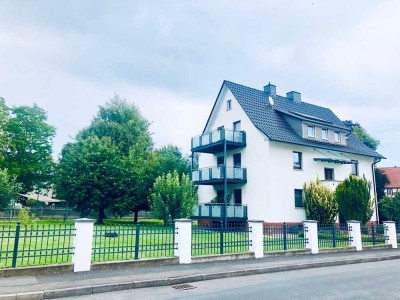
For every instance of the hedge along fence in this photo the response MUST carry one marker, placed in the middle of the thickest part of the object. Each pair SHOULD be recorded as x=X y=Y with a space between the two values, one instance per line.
x=30 y=245
x=372 y=234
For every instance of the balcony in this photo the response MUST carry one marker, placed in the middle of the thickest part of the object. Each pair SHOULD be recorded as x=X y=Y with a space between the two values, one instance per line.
x=215 y=175
x=213 y=142
x=216 y=211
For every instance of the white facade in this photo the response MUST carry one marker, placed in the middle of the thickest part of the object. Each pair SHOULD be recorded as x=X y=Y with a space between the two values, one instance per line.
x=271 y=178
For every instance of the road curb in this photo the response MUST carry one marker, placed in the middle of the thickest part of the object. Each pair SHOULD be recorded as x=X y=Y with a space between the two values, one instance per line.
x=112 y=287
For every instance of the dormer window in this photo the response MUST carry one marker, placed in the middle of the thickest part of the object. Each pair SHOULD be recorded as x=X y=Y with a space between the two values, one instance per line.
x=311 y=131
x=229 y=105
x=324 y=134
x=337 y=137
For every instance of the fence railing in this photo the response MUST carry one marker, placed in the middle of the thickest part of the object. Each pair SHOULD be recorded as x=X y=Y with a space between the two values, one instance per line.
x=333 y=235
x=218 y=239
x=278 y=237
x=125 y=242
x=373 y=234
x=29 y=245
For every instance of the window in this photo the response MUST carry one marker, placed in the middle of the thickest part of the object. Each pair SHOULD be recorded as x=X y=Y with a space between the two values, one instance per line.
x=229 y=105
x=297 y=164
x=311 y=131
x=298 y=198
x=237 y=160
x=337 y=137
x=329 y=174
x=237 y=126
x=325 y=134
x=354 y=169
x=220 y=196
x=220 y=160
x=238 y=196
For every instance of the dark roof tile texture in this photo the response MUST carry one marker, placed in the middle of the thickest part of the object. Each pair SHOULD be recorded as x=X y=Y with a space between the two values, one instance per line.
x=272 y=124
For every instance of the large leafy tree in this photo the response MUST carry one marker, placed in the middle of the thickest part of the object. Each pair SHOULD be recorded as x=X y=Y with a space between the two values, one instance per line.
x=354 y=198
x=88 y=173
x=320 y=203
x=27 y=146
x=4 y=116
x=119 y=126
x=173 y=197
x=170 y=158
x=362 y=134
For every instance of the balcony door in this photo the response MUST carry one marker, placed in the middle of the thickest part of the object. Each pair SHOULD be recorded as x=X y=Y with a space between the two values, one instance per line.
x=237 y=160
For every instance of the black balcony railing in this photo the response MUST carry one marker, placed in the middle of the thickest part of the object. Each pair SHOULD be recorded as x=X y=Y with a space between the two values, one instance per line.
x=213 y=141
x=217 y=211
x=215 y=175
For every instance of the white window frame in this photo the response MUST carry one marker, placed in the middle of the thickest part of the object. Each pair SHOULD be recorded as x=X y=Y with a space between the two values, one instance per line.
x=229 y=105
x=313 y=131
x=338 y=137
x=326 y=138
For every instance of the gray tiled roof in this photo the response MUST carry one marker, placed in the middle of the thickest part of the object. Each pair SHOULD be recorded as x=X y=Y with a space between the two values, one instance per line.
x=271 y=122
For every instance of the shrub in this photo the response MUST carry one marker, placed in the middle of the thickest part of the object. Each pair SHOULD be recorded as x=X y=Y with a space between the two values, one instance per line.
x=389 y=207
x=319 y=203
x=173 y=197
x=354 y=199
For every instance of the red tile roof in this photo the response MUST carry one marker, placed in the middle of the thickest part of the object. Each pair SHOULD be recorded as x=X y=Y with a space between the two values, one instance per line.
x=393 y=173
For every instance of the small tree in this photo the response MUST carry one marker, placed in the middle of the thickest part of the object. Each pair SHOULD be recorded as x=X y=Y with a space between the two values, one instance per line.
x=8 y=190
x=320 y=203
x=389 y=207
x=173 y=197
x=354 y=199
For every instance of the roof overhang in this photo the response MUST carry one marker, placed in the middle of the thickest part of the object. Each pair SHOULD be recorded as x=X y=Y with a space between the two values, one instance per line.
x=336 y=160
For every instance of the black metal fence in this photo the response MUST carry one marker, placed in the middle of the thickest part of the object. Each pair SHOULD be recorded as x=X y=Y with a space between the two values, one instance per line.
x=125 y=242
x=333 y=235
x=372 y=234
x=29 y=245
x=215 y=238
x=278 y=237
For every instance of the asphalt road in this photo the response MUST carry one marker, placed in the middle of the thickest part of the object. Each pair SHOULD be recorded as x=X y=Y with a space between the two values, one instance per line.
x=378 y=280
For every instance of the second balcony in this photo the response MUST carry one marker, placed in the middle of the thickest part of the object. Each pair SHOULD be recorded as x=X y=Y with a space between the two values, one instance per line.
x=213 y=141
x=216 y=175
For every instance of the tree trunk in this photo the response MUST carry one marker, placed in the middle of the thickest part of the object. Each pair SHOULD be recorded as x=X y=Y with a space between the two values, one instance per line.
x=136 y=216
x=101 y=216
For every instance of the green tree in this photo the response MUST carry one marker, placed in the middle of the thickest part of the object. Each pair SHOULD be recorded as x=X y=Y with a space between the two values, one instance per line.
x=27 y=155
x=320 y=203
x=173 y=197
x=4 y=116
x=381 y=180
x=389 y=207
x=123 y=123
x=170 y=158
x=87 y=175
x=362 y=134
x=354 y=198
x=8 y=190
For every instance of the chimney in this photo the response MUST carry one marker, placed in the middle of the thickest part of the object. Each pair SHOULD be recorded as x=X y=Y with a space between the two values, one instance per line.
x=270 y=89
x=294 y=96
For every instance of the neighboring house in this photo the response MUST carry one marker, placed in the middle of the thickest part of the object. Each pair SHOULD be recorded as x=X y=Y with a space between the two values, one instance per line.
x=393 y=174
x=271 y=145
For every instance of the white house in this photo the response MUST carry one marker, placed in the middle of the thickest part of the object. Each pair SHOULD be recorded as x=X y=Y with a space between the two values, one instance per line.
x=258 y=149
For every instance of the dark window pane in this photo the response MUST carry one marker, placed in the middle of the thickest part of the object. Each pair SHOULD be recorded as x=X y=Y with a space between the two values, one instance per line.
x=297 y=160
x=298 y=198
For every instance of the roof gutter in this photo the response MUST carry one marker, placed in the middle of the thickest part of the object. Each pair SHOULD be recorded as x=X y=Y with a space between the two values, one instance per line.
x=376 y=160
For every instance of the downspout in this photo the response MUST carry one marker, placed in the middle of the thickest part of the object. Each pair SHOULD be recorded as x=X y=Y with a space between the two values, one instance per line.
x=374 y=183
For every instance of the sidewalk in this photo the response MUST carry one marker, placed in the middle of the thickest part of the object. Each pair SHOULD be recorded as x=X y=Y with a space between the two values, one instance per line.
x=85 y=283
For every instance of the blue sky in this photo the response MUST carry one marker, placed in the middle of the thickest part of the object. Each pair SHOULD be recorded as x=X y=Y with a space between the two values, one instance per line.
x=171 y=57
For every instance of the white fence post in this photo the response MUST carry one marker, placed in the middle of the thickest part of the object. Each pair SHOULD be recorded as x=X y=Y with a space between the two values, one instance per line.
x=256 y=238
x=390 y=232
x=183 y=240
x=355 y=234
x=83 y=244
x=311 y=235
